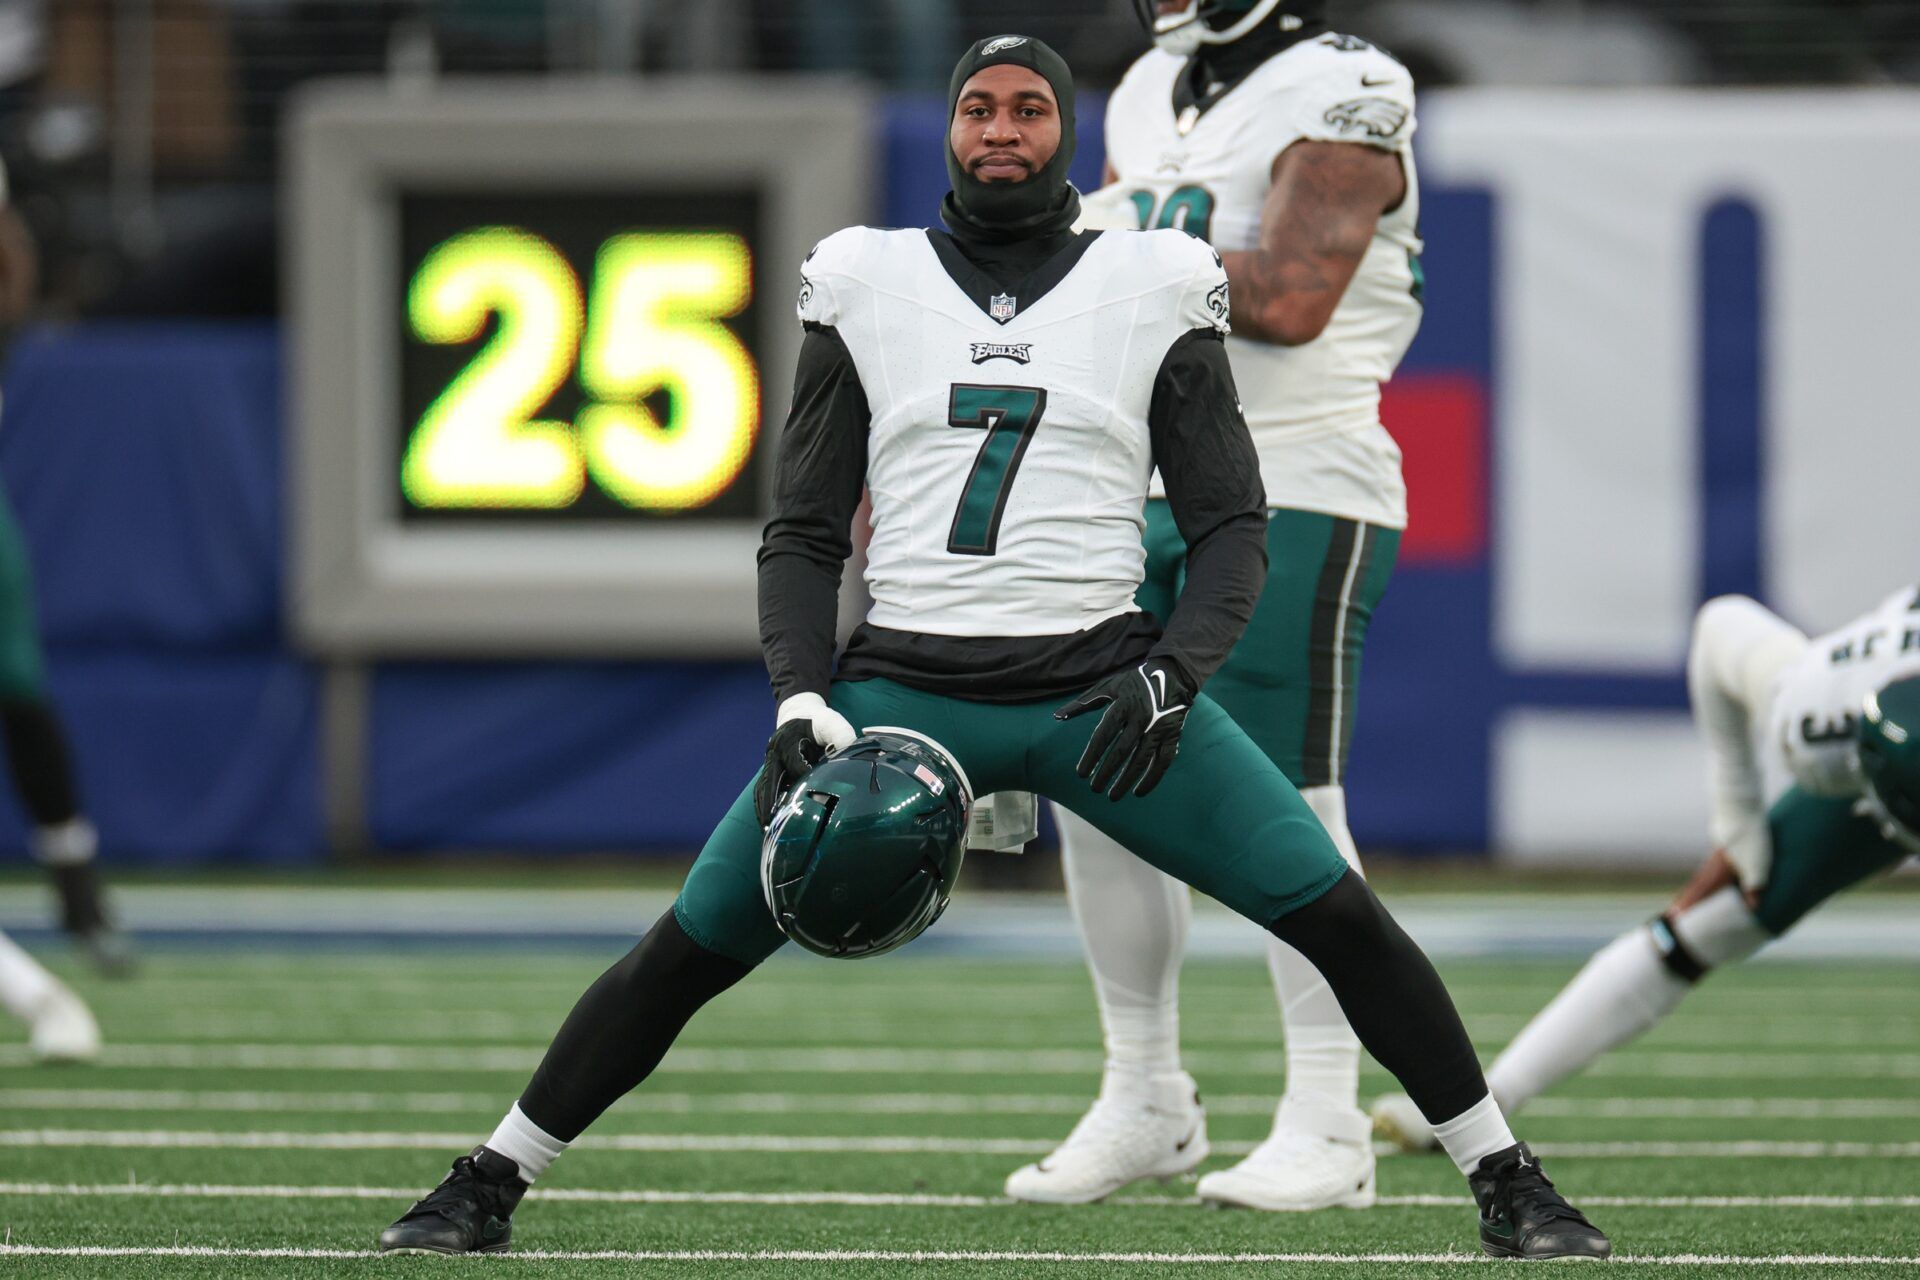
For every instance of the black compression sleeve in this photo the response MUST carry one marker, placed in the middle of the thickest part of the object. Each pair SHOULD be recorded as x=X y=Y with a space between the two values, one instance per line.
x=621 y=1028
x=817 y=483
x=1212 y=474
x=1391 y=995
x=37 y=757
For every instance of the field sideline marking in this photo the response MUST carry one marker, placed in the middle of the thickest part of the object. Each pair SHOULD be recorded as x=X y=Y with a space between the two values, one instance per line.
x=955 y=1255
x=880 y=1060
x=869 y=1199
x=251 y=1101
x=901 y=1144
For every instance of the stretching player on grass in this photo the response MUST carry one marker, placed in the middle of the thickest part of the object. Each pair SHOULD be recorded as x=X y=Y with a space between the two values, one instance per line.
x=1004 y=390
x=1290 y=149
x=63 y=839
x=1814 y=748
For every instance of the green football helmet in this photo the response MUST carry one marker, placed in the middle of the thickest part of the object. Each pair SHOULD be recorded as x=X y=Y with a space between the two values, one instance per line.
x=1889 y=740
x=863 y=851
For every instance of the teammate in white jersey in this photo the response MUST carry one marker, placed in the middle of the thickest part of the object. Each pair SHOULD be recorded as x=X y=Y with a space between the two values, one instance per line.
x=1289 y=149
x=1814 y=748
x=1004 y=390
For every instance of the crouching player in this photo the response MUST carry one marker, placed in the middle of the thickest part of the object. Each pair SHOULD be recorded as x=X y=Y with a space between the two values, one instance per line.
x=1004 y=391
x=1829 y=729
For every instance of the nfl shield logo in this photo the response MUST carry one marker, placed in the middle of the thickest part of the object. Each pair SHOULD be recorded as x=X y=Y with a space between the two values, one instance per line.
x=1000 y=306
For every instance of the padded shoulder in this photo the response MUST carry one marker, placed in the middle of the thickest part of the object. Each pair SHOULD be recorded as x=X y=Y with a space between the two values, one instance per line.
x=1190 y=265
x=1342 y=89
x=836 y=266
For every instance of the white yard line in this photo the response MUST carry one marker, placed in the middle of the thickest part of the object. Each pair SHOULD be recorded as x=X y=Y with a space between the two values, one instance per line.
x=960 y=1255
x=249 y=1101
x=901 y=1144
x=856 y=1060
x=865 y=1199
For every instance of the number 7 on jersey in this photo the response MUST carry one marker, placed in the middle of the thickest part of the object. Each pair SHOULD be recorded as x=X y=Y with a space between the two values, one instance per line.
x=1009 y=416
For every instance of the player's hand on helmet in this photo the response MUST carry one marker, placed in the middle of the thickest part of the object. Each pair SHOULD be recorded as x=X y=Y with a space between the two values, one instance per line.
x=1137 y=738
x=809 y=731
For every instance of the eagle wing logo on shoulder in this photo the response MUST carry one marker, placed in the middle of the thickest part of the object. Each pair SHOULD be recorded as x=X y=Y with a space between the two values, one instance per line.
x=806 y=294
x=1218 y=305
x=1375 y=117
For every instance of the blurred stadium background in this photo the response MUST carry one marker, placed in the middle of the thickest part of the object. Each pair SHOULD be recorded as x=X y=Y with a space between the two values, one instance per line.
x=344 y=671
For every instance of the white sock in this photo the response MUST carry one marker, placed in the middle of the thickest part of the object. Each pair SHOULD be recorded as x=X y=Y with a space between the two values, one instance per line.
x=1133 y=922
x=526 y=1144
x=24 y=985
x=66 y=844
x=1475 y=1134
x=1323 y=1054
x=1622 y=993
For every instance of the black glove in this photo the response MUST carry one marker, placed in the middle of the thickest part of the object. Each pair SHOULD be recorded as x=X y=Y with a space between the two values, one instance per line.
x=809 y=731
x=1135 y=742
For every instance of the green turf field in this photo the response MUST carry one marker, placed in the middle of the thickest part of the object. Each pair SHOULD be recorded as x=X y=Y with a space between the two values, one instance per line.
x=264 y=1114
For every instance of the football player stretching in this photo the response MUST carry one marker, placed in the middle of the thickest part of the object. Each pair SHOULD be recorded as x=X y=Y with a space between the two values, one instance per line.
x=1814 y=753
x=1289 y=148
x=1003 y=390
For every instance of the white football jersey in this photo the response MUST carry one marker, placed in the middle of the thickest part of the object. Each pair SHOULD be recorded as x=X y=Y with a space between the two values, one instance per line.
x=1314 y=410
x=1817 y=700
x=1008 y=455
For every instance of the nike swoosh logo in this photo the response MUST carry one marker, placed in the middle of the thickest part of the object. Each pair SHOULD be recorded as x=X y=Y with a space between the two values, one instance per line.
x=1504 y=1230
x=1187 y=1141
x=493 y=1230
x=1158 y=679
x=1367 y=82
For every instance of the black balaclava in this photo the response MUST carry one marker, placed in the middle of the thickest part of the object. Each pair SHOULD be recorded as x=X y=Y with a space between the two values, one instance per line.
x=1046 y=203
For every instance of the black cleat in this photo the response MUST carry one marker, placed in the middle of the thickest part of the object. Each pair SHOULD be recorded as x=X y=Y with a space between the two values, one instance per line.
x=468 y=1212
x=1522 y=1216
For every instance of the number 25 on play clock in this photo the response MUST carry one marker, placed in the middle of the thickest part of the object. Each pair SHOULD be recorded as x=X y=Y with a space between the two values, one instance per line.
x=652 y=323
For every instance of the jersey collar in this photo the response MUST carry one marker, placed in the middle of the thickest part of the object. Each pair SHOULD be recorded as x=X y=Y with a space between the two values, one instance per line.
x=1002 y=300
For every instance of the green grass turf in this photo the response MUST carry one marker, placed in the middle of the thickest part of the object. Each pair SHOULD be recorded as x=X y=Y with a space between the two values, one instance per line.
x=962 y=1051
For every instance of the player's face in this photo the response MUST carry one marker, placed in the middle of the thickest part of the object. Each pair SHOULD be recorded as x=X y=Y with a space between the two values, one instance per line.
x=1006 y=125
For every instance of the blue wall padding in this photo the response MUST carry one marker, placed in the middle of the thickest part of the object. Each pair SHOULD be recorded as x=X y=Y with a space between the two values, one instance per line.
x=562 y=755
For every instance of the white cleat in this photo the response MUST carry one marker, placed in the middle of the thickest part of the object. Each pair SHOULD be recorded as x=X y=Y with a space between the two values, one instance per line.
x=1398 y=1122
x=63 y=1029
x=1317 y=1158
x=1136 y=1129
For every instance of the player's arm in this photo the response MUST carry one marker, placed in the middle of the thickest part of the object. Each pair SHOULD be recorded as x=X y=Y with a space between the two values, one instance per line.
x=1738 y=650
x=1319 y=218
x=1212 y=476
x=817 y=482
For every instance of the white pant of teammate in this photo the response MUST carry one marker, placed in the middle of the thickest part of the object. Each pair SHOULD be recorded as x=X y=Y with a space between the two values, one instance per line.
x=1148 y=1121
x=60 y=1027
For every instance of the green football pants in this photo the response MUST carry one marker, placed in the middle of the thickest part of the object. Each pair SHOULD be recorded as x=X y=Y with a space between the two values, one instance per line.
x=22 y=673
x=1820 y=846
x=1292 y=682
x=1224 y=819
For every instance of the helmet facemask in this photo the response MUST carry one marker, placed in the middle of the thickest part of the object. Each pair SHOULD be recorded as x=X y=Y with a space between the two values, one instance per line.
x=1204 y=22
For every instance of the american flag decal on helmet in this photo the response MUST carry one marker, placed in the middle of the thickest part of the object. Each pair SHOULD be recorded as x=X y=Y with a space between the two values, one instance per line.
x=931 y=778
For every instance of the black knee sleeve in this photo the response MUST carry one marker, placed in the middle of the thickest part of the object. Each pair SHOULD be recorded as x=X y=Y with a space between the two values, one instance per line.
x=37 y=758
x=1391 y=995
x=1673 y=952
x=621 y=1028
